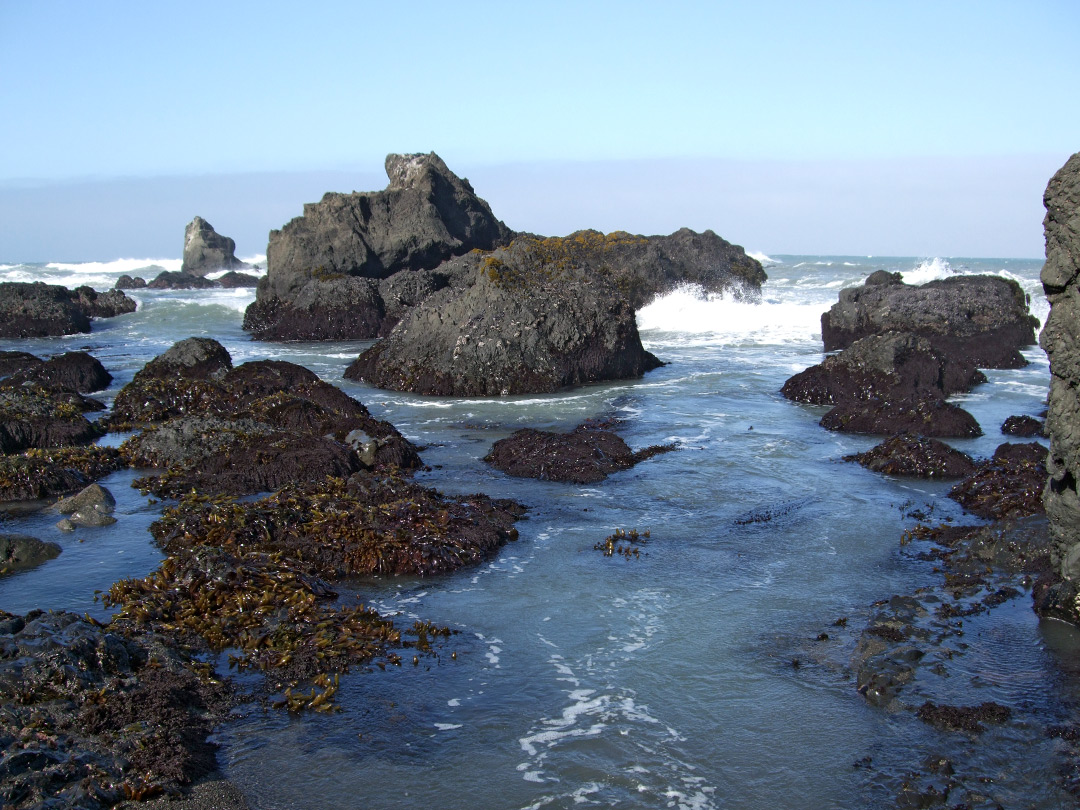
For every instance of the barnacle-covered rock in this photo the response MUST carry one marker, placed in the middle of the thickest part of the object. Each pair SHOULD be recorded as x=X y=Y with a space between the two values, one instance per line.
x=1009 y=485
x=35 y=417
x=46 y=473
x=908 y=454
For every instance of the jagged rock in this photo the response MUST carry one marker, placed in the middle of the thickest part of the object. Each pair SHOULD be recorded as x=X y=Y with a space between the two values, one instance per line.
x=981 y=320
x=205 y=250
x=425 y=216
x=585 y=455
x=41 y=310
x=525 y=324
x=908 y=454
x=20 y=551
x=72 y=371
x=1061 y=282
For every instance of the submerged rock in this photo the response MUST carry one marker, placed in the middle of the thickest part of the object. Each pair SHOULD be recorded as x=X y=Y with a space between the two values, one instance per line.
x=526 y=323
x=585 y=455
x=980 y=320
x=20 y=551
x=205 y=250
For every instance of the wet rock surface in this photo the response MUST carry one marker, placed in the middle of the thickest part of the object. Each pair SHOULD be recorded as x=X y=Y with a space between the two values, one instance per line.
x=253 y=428
x=92 y=717
x=585 y=455
x=1026 y=427
x=908 y=454
x=37 y=417
x=20 y=551
x=527 y=323
x=35 y=309
x=1009 y=485
x=981 y=320
x=76 y=372
x=46 y=473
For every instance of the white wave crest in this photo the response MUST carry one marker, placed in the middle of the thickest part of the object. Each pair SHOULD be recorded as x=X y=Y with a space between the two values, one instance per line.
x=929 y=270
x=761 y=257
x=724 y=319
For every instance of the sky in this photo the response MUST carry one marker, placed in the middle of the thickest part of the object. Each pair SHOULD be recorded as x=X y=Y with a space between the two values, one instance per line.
x=861 y=128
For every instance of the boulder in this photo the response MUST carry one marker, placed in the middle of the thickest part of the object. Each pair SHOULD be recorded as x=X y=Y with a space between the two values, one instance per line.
x=1061 y=282
x=980 y=320
x=55 y=471
x=234 y=280
x=126 y=282
x=585 y=455
x=527 y=323
x=34 y=417
x=20 y=551
x=1009 y=485
x=1023 y=426
x=72 y=371
x=205 y=250
x=42 y=310
x=887 y=384
x=911 y=455
x=167 y=280
x=93 y=498
x=425 y=216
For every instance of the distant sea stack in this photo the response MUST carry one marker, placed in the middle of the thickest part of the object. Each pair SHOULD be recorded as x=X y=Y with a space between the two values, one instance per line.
x=206 y=251
x=1060 y=339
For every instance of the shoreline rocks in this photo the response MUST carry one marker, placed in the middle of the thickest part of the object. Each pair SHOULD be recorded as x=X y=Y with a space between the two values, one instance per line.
x=36 y=309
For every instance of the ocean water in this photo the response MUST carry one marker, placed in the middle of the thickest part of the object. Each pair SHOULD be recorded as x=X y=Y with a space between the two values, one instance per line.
x=576 y=680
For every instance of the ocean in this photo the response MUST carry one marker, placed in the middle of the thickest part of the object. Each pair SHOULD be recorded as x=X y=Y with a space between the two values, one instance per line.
x=665 y=680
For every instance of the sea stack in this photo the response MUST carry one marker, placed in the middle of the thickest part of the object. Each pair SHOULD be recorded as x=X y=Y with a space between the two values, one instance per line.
x=1060 y=339
x=205 y=250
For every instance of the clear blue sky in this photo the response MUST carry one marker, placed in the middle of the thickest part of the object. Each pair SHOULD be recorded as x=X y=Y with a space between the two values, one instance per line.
x=795 y=108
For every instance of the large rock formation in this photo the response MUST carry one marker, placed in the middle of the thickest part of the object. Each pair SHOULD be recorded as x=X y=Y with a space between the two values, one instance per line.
x=36 y=309
x=1061 y=340
x=205 y=250
x=983 y=320
x=531 y=320
x=323 y=267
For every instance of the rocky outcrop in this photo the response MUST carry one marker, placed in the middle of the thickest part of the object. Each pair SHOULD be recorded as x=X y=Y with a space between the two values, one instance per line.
x=980 y=320
x=47 y=473
x=425 y=216
x=42 y=310
x=126 y=282
x=168 y=280
x=911 y=455
x=1061 y=281
x=205 y=250
x=1009 y=485
x=524 y=324
x=585 y=455
x=21 y=551
x=72 y=371
x=254 y=428
x=886 y=384
x=35 y=417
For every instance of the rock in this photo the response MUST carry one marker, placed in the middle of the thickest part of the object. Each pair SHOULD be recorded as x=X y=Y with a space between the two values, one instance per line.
x=980 y=320
x=908 y=454
x=425 y=216
x=41 y=310
x=253 y=428
x=56 y=471
x=34 y=417
x=205 y=250
x=525 y=324
x=890 y=383
x=585 y=455
x=126 y=282
x=19 y=552
x=1010 y=485
x=963 y=718
x=14 y=362
x=1061 y=282
x=94 y=498
x=1023 y=426
x=167 y=280
x=233 y=280
x=73 y=371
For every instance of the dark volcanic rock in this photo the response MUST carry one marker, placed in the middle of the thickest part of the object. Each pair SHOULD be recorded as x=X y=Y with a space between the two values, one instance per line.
x=585 y=455
x=425 y=216
x=13 y=362
x=526 y=324
x=40 y=310
x=981 y=320
x=34 y=417
x=54 y=471
x=911 y=455
x=1061 y=281
x=233 y=280
x=167 y=280
x=126 y=282
x=1023 y=426
x=253 y=428
x=205 y=250
x=1009 y=485
x=927 y=416
x=73 y=371
x=20 y=551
